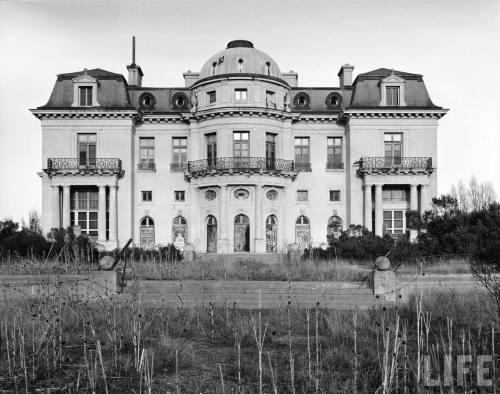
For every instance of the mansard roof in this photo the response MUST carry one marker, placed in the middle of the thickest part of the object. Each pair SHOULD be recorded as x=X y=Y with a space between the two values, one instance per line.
x=367 y=93
x=97 y=73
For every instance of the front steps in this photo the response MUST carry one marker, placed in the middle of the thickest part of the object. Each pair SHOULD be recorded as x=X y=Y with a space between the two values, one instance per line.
x=233 y=258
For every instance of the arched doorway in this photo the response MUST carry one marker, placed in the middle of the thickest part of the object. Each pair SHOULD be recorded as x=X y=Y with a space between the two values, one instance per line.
x=334 y=227
x=241 y=234
x=211 y=234
x=271 y=233
x=179 y=232
x=302 y=232
x=147 y=233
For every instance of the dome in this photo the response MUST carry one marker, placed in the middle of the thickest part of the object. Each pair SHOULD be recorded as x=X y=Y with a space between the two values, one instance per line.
x=240 y=57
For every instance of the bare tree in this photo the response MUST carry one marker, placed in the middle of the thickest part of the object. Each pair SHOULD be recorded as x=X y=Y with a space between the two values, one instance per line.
x=488 y=275
x=34 y=221
x=474 y=197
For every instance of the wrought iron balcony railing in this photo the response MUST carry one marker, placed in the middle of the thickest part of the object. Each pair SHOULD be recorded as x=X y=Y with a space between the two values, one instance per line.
x=146 y=166
x=86 y=166
x=395 y=164
x=178 y=167
x=303 y=167
x=334 y=166
x=229 y=165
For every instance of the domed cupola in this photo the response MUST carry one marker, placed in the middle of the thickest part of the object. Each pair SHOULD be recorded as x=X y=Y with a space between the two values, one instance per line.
x=240 y=57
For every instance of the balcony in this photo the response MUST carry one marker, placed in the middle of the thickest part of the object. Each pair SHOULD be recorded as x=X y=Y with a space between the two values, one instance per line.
x=112 y=166
x=146 y=166
x=334 y=166
x=395 y=165
x=240 y=165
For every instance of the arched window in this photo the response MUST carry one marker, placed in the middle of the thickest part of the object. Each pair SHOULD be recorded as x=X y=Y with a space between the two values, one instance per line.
x=334 y=226
x=271 y=233
x=211 y=234
x=241 y=233
x=302 y=232
x=179 y=232
x=302 y=220
x=147 y=233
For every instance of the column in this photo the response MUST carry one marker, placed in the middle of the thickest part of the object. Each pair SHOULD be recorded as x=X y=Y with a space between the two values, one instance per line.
x=368 y=206
x=222 y=221
x=424 y=198
x=112 y=216
x=66 y=207
x=56 y=219
x=413 y=207
x=379 y=224
x=101 y=216
x=260 y=245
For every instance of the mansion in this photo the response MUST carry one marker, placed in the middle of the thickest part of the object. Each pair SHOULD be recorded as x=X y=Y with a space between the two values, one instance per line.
x=240 y=159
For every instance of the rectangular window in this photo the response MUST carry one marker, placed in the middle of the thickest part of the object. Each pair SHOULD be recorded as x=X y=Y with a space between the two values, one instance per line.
x=241 y=149
x=212 y=98
x=180 y=195
x=85 y=96
x=147 y=195
x=270 y=151
x=334 y=153
x=393 y=148
x=179 y=154
x=397 y=195
x=302 y=195
x=393 y=222
x=87 y=147
x=240 y=94
x=392 y=96
x=147 y=154
x=212 y=150
x=302 y=159
x=270 y=99
x=84 y=210
x=334 y=195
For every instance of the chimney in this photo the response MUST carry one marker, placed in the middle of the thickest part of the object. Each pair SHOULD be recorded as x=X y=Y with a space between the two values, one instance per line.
x=292 y=78
x=345 y=75
x=134 y=71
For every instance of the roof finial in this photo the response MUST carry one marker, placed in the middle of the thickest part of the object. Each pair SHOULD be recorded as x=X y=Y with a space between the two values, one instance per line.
x=133 y=50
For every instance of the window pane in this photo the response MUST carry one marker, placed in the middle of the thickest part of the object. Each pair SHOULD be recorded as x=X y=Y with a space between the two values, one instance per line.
x=398 y=214
x=387 y=215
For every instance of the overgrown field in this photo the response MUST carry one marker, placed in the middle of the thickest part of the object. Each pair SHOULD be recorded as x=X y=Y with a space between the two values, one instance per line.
x=72 y=346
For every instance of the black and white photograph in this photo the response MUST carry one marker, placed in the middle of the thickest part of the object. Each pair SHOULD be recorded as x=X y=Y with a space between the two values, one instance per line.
x=248 y=196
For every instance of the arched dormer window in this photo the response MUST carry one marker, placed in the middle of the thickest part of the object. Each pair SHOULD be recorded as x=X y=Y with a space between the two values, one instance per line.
x=240 y=65
x=214 y=68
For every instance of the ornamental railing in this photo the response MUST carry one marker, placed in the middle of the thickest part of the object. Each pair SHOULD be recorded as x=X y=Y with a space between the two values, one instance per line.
x=302 y=167
x=178 y=167
x=239 y=165
x=395 y=164
x=334 y=166
x=87 y=165
x=146 y=166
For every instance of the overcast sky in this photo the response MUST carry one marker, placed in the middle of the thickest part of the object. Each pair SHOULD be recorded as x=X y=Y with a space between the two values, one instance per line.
x=454 y=43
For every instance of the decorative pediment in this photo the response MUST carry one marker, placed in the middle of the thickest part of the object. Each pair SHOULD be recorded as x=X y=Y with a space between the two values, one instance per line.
x=90 y=84
x=84 y=78
x=396 y=87
x=393 y=79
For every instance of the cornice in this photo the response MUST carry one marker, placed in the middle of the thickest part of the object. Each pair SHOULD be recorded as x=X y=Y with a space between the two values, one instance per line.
x=79 y=114
x=358 y=113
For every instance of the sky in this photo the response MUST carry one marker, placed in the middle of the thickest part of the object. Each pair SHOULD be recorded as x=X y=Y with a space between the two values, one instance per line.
x=454 y=44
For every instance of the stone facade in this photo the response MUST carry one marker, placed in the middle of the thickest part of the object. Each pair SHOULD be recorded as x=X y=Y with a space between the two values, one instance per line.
x=240 y=159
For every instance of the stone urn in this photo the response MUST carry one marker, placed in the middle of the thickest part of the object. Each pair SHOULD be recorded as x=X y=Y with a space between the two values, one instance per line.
x=382 y=263
x=106 y=262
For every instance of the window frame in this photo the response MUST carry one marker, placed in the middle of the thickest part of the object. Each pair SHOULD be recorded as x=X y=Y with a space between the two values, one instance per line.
x=390 y=96
x=90 y=158
x=241 y=92
x=145 y=194
x=179 y=195
x=83 y=205
x=332 y=195
x=179 y=154
x=147 y=163
x=393 y=230
x=212 y=97
x=302 y=195
x=304 y=152
x=334 y=153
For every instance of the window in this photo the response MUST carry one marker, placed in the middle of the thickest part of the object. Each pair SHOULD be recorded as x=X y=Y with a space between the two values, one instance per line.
x=179 y=154
x=212 y=150
x=270 y=151
x=210 y=195
x=214 y=68
x=334 y=195
x=212 y=98
x=334 y=227
x=393 y=222
x=393 y=148
x=147 y=195
x=241 y=148
x=272 y=194
x=85 y=94
x=392 y=96
x=302 y=162
x=87 y=149
x=334 y=153
x=147 y=154
x=268 y=68
x=84 y=210
x=240 y=65
x=302 y=195
x=180 y=195
x=240 y=94
x=147 y=101
x=301 y=100
x=241 y=194
x=395 y=194
x=270 y=99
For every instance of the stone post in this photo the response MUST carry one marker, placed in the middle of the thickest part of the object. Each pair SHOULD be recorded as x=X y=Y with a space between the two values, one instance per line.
x=379 y=223
x=384 y=279
x=66 y=207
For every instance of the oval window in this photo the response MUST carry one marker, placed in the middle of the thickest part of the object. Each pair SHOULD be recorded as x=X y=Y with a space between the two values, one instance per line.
x=147 y=100
x=241 y=194
x=272 y=195
x=210 y=195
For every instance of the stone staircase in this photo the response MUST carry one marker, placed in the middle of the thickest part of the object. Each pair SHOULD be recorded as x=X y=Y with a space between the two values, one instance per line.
x=233 y=258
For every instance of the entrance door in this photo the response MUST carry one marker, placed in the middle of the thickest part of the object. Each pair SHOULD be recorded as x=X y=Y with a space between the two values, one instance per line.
x=302 y=232
x=271 y=233
x=147 y=234
x=241 y=234
x=211 y=234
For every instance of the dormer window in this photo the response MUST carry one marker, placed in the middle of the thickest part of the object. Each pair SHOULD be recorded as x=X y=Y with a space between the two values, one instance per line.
x=392 y=91
x=392 y=96
x=268 y=68
x=85 y=96
x=85 y=91
x=214 y=68
x=240 y=65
